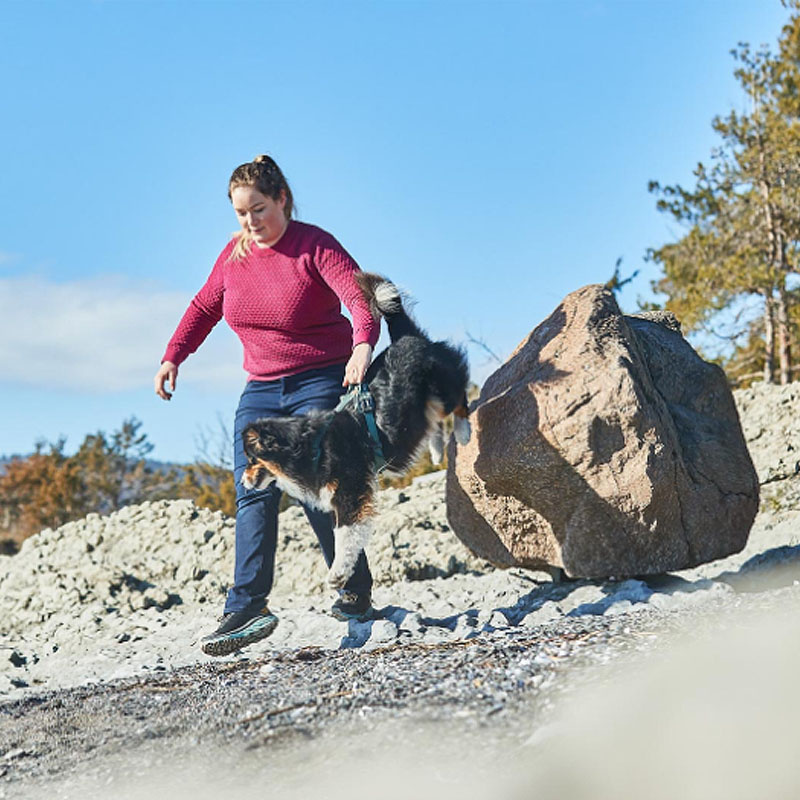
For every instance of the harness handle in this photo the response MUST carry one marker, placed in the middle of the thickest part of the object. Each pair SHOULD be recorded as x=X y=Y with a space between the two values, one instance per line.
x=358 y=394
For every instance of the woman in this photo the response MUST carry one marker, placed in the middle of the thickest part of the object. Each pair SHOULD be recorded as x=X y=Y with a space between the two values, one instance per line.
x=279 y=284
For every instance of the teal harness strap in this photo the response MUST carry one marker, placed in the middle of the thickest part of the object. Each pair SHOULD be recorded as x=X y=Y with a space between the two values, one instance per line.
x=347 y=398
x=365 y=405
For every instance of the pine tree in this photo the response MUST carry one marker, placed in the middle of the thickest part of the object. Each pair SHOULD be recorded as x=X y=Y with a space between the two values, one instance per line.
x=741 y=217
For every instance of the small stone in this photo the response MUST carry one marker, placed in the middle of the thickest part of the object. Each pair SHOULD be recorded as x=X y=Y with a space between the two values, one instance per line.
x=620 y=607
x=412 y=622
x=582 y=595
x=498 y=620
x=17 y=659
x=435 y=635
x=547 y=612
x=466 y=625
x=383 y=631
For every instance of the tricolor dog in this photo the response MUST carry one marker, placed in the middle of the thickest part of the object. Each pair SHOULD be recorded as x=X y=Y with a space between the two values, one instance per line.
x=330 y=458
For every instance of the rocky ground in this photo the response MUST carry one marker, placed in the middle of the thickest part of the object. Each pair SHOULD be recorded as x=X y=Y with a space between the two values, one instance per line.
x=454 y=683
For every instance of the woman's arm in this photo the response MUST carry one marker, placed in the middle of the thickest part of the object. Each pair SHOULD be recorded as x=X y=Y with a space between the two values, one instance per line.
x=203 y=313
x=338 y=269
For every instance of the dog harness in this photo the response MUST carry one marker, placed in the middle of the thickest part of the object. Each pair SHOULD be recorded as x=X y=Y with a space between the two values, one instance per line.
x=357 y=395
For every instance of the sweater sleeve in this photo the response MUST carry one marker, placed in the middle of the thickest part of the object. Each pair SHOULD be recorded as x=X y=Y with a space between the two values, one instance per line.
x=337 y=268
x=203 y=313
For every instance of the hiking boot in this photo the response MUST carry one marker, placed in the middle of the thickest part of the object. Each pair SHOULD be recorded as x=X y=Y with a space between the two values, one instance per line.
x=352 y=606
x=238 y=629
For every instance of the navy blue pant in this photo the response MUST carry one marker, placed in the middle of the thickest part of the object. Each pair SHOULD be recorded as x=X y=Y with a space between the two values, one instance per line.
x=257 y=509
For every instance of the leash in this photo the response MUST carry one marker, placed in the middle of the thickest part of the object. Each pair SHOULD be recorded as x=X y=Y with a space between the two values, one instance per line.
x=357 y=395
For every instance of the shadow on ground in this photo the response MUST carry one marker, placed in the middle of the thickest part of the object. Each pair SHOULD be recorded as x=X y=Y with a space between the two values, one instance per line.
x=547 y=602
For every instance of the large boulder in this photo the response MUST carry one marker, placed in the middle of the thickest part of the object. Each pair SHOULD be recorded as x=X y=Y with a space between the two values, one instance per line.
x=606 y=446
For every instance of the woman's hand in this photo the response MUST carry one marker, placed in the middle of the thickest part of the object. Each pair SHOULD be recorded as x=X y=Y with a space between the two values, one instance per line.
x=357 y=365
x=167 y=371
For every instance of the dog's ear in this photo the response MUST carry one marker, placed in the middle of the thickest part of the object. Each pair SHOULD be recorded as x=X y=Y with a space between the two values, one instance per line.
x=256 y=441
x=251 y=440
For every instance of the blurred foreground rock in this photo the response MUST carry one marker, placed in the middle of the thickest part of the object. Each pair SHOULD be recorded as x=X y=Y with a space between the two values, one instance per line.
x=606 y=446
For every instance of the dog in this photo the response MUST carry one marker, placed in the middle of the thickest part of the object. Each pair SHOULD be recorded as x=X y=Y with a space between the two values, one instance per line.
x=328 y=458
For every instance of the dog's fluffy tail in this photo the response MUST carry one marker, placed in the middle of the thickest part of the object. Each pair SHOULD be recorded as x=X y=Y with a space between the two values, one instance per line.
x=385 y=301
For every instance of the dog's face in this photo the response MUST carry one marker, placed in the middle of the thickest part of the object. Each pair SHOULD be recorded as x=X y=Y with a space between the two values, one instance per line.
x=258 y=445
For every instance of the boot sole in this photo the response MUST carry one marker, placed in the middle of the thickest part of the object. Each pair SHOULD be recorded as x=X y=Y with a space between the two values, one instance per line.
x=227 y=643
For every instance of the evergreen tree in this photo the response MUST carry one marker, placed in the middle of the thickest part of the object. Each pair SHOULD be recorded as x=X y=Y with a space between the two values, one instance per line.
x=741 y=217
x=116 y=472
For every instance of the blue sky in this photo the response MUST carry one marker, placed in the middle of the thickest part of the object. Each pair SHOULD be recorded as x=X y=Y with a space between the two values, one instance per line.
x=490 y=157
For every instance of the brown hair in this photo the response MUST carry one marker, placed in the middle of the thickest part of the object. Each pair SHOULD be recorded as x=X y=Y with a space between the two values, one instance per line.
x=263 y=174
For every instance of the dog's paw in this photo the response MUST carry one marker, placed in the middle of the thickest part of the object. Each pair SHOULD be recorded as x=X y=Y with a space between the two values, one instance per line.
x=461 y=430
x=337 y=577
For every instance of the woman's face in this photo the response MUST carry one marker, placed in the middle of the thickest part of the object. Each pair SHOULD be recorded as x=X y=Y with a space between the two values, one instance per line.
x=260 y=216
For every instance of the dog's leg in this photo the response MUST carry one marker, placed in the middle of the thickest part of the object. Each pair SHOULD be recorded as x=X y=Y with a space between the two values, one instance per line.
x=349 y=541
x=461 y=427
x=436 y=443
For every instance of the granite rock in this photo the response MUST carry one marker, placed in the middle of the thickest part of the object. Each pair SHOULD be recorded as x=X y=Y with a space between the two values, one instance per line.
x=604 y=446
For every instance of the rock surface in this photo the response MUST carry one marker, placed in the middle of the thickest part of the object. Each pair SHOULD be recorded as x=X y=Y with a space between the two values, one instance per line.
x=606 y=446
x=771 y=424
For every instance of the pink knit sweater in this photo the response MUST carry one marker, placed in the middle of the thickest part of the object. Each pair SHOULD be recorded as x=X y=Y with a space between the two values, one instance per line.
x=283 y=302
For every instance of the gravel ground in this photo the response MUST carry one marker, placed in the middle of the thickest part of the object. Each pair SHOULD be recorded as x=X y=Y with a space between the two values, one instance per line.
x=470 y=683
x=269 y=707
x=446 y=720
